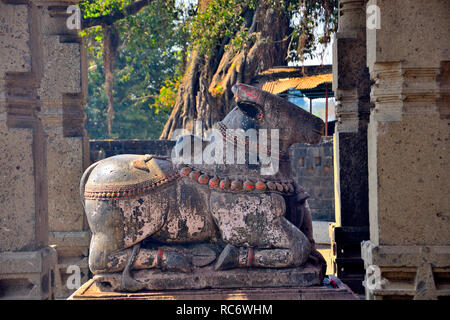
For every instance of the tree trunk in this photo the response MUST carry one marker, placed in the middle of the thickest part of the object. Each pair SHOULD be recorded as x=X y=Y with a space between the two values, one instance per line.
x=205 y=91
x=110 y=45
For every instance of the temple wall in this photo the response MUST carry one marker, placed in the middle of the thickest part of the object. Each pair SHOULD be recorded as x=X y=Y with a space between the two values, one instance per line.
x=351 y=85
x=408 y=147
x=27 y=262
x=44 y=149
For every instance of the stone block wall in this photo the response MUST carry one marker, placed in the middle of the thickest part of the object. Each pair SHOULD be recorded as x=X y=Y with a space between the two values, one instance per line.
x=100 y=149
x=408 y=147
x=27 y=262
x=312 y=166
x=43 y=147
x=313 y=169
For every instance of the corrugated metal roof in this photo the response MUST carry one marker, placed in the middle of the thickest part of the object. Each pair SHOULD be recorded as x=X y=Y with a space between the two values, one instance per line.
x=280 y=69
x=302 y=83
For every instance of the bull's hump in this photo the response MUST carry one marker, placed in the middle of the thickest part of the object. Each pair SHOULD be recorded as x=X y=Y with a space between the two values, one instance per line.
x=128 y=175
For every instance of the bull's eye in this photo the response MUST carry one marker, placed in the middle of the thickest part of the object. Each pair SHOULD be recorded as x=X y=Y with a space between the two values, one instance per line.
x=251 y=110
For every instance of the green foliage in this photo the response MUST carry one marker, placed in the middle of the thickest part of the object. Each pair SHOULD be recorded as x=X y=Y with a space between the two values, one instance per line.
x=156 y=43
x=165 y=100
x=223 y=19
x=148 y=60
x=98 y=8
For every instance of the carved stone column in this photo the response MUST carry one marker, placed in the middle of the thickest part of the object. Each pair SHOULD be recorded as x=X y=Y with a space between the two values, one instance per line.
x=351 y=84
x=408 y=143
x=27 y=263
x=62 y=94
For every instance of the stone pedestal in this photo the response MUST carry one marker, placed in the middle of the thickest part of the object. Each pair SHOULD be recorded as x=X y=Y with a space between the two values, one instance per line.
x=26 y=262
x=408 y=146
x=351 y=84
x=62 y=92
x=206 y=277
x=91 y=291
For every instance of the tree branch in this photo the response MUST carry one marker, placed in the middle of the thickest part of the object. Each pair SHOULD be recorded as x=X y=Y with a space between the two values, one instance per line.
x=109 y=19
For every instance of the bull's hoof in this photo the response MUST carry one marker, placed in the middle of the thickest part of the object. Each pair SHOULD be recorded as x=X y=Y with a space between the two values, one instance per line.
x=175 y=261
x=228 y=259
x=131 y=285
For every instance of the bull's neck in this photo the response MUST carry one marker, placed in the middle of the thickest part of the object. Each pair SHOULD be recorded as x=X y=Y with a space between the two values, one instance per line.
x=281 y=155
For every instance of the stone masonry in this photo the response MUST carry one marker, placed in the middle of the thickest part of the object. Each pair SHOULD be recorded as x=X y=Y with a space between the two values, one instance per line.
x=44 y=149
x=313 y=169
x=351 y=84
x=62 y=93
x=27 y=263
x=408 y=147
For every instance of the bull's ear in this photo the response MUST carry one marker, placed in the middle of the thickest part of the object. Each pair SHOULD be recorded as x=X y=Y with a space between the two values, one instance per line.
x=251 y=110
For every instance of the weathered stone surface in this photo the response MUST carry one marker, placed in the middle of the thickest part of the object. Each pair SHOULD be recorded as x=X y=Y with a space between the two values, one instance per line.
x=414 y=272
x=132 y=201
x=408 y=143
x=18 y=183
x=305 y=276
x=41 y=92
x=351 y=85
x=21 y=141
x=28 y=275
x=14 y=38
x=412 y=206
x=62 y=91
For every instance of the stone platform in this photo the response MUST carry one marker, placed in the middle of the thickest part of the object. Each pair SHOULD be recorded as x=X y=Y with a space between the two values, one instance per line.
x=92 y=291
x=206 y=277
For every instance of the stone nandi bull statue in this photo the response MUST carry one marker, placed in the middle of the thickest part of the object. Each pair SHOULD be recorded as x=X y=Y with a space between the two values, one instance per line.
x=146 y=212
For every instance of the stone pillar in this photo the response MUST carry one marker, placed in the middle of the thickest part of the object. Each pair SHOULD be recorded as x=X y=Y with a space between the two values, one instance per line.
x=62 y=92
x=27 y=263
x=408 y=254
x=351 y=85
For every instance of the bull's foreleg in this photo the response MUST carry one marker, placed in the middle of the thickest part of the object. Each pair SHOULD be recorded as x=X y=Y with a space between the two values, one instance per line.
x=128 y=283
x=136 y=258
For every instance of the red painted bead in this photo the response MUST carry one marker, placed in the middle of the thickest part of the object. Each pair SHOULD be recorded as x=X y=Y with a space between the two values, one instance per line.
x=214 y=182
x=203 y=179
x=249 y=186
x=194 y=175
x=260 y=185
x=279 y=187
x=225 y=184
x=185 y=171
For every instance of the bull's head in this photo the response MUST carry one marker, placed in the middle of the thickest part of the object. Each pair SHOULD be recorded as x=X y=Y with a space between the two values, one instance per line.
x=268 y=111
